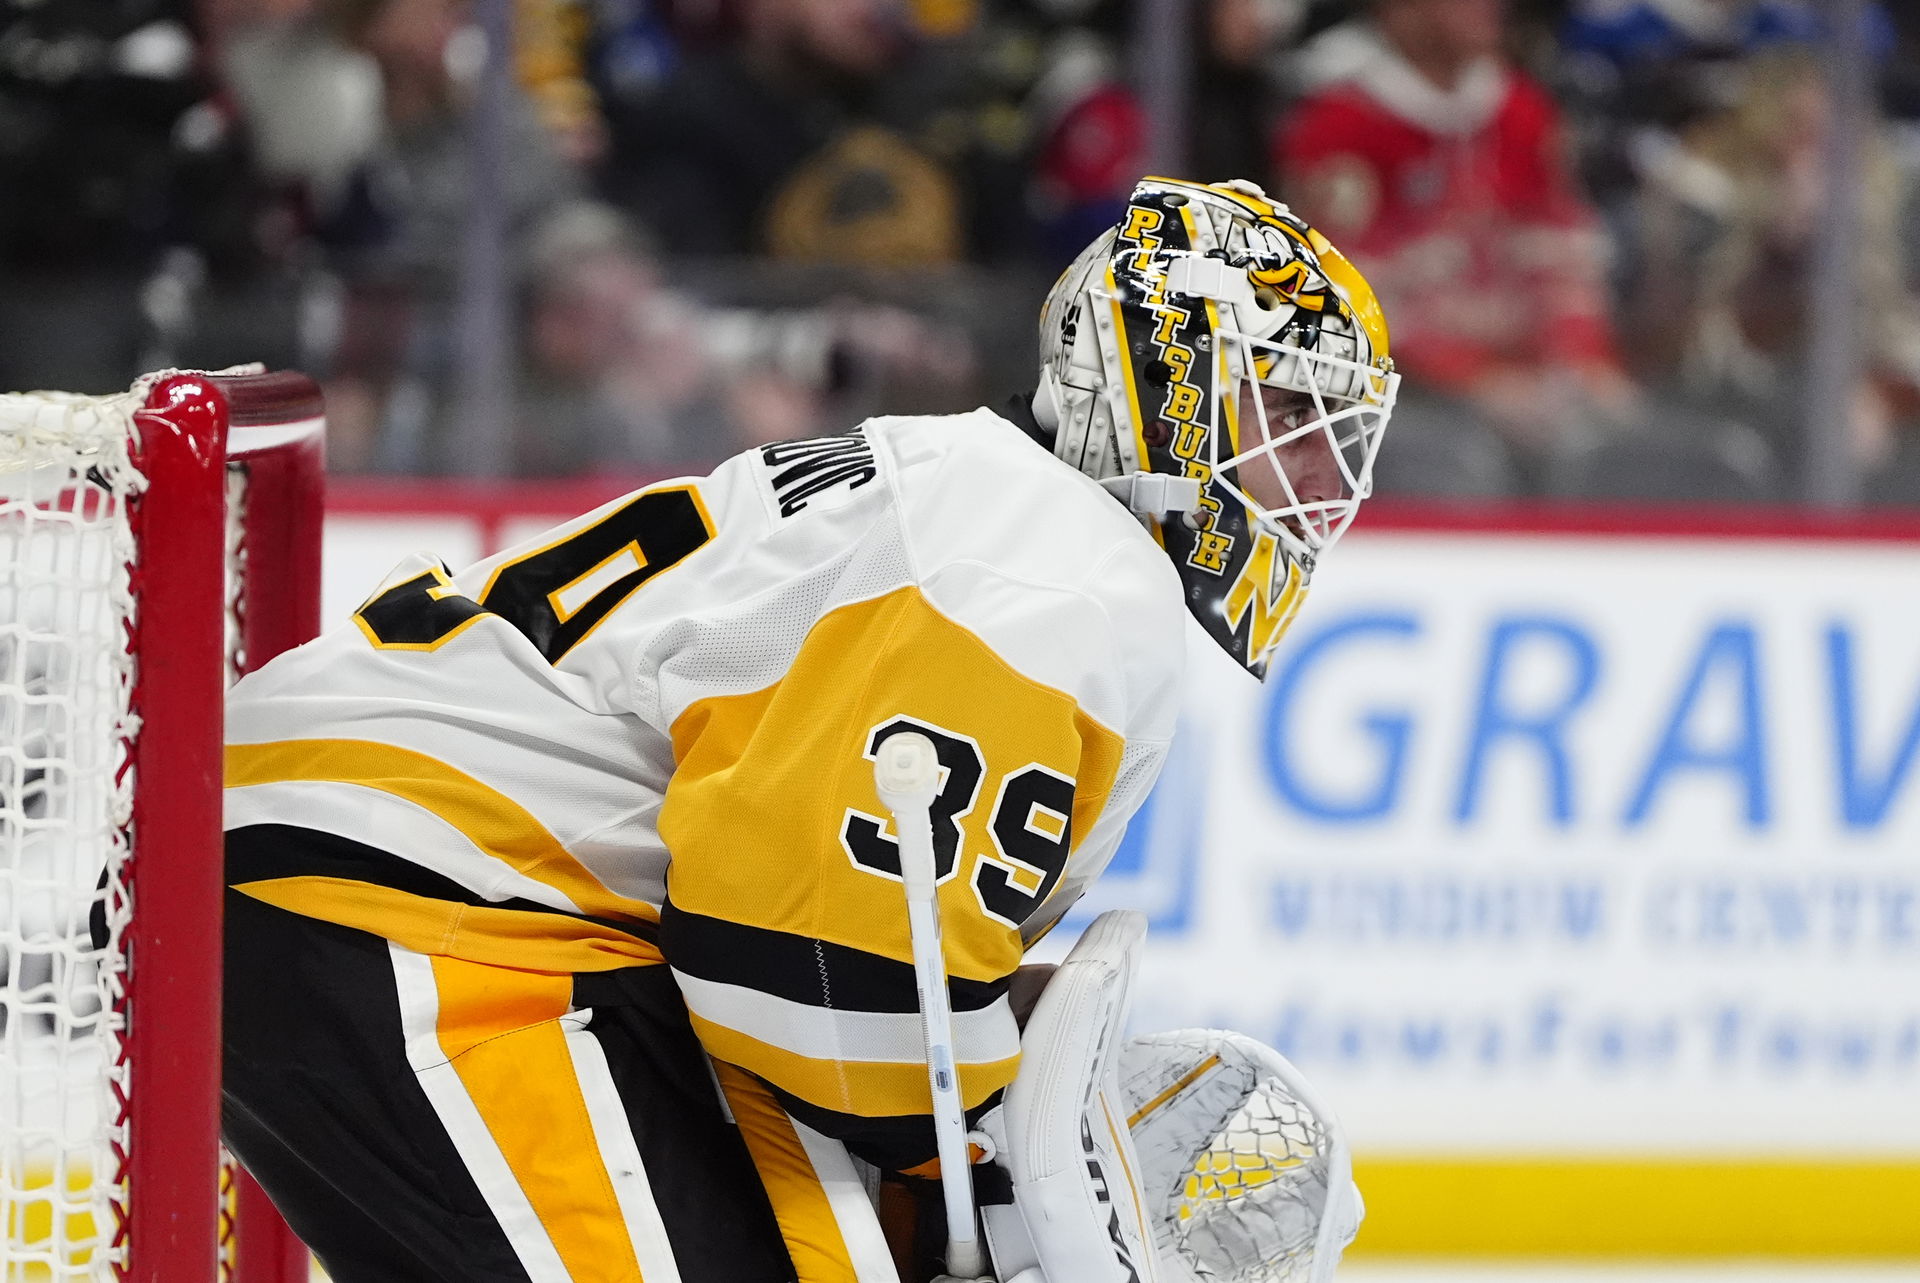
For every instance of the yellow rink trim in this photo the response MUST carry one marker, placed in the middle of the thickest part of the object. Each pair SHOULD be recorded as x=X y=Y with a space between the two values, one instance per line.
x=30 y=1215
x=1809 y=1208
x=1644 y=1207
x=31 y=1209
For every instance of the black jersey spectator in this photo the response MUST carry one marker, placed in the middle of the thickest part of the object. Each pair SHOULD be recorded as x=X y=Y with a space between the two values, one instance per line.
x=803 y=139
x=116 y=162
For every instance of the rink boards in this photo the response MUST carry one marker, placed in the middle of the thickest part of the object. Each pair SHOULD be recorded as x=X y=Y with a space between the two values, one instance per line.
x=1577 y=859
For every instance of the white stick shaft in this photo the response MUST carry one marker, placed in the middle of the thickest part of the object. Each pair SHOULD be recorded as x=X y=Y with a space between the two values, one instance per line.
x=913 y=823
x=949 y=1114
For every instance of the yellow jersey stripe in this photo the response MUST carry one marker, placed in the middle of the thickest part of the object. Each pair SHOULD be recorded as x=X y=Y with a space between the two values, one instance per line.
x=865 y=1089
x=491 y=820
x=553 y=942
x=501 y=1030
x=814 y=1241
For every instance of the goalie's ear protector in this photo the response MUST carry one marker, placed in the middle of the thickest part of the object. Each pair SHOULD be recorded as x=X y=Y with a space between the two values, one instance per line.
x=1077 y=1214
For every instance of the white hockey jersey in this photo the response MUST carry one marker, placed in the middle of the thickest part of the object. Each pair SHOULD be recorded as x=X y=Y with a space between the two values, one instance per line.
x=648 y=735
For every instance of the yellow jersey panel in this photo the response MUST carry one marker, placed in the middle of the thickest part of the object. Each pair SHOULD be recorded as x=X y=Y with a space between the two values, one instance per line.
x=784 y=778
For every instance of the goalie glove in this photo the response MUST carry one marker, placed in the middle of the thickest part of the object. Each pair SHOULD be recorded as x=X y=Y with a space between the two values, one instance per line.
x=1197 y=1156
x=1246 y=1173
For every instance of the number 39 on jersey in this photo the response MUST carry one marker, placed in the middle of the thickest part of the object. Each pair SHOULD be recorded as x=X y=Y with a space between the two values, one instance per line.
x=1029 y=825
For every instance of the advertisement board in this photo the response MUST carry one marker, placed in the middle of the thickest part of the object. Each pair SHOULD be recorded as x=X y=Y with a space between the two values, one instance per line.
x=1583 y=868
x=1579 y=868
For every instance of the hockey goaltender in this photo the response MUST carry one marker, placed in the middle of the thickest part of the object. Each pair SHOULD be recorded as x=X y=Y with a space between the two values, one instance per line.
x=566 y=937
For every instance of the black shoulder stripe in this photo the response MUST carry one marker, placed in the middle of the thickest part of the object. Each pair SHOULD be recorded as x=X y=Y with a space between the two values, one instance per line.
x=801 y=968
x=259 y=852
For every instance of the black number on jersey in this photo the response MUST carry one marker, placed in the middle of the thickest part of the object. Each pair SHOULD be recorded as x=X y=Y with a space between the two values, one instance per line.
x=1031 y=825
x=961 y=766
x=420 y=614
x=554 y=595
x=1032 y=830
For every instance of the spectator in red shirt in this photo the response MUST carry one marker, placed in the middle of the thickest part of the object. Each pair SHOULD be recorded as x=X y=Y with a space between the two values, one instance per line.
x=1439 y=164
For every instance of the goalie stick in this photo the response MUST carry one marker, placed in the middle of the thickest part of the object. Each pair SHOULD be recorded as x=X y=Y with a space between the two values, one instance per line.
x=906 y=770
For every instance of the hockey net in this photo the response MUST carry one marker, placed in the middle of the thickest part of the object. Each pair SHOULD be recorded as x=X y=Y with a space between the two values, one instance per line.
x=152 y=544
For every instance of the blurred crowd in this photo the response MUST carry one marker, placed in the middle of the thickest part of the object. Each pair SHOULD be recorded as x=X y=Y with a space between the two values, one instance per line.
x=1596 y=224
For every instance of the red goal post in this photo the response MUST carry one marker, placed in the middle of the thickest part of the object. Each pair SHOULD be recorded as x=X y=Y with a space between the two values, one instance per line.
x=153 y=546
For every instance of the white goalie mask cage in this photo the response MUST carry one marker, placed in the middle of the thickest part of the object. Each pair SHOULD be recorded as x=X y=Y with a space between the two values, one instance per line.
x=1340 y=404
x=1245 y=1176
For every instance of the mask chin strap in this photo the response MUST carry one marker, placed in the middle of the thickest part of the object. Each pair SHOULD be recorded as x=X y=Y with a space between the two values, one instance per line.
x=1150 y=494
x=1046 y=403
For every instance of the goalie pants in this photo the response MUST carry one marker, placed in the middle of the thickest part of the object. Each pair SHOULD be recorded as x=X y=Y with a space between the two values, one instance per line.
x=426 y=1118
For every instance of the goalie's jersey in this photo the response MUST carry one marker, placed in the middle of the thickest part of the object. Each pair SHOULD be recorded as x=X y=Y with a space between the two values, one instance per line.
x=649 y=735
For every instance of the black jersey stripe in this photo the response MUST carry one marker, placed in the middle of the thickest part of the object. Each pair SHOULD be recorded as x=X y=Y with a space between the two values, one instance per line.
x=266 y=852
x=803 y=969
x=895 y=1143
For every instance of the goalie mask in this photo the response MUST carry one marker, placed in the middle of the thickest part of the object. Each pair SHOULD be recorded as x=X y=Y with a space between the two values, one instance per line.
x=1219 y=366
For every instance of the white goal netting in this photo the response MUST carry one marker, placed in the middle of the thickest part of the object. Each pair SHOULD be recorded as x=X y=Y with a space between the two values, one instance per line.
x=66 y=802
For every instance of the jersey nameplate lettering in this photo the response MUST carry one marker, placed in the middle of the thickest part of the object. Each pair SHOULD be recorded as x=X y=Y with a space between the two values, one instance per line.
x=803 y=469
